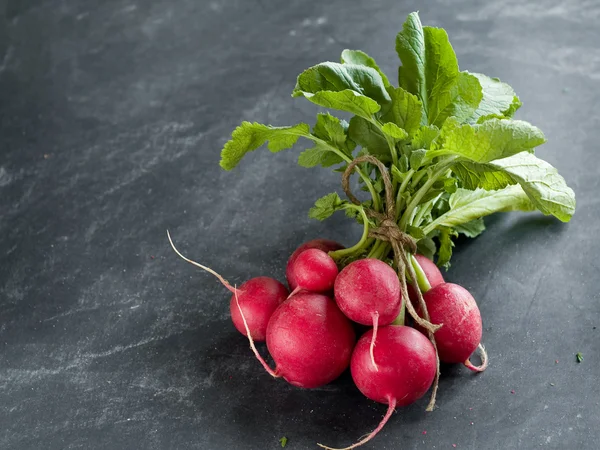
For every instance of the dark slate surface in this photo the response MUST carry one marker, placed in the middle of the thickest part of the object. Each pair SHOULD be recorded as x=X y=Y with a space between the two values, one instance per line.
x=112 y=114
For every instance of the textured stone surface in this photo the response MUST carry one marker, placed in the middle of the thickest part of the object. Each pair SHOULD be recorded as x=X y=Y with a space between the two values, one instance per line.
x=112 y=114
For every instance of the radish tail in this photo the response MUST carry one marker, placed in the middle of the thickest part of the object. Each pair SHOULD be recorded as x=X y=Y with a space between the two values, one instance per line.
x=223 y=281
x=295 y=291
x=388 y=414
x=484 y=360
x=260 y=358
x=372 y=347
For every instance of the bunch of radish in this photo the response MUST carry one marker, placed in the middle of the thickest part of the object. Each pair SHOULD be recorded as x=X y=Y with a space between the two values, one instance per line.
x=434 y=155
x=310 y=334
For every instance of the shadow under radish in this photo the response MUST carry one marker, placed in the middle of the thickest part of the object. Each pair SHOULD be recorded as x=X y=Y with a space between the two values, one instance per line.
x=335 y=414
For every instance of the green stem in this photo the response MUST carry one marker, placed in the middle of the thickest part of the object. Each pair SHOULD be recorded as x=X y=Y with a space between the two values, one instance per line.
x=419 y=215
x=422 y=210
x=420 y=174
x=443 y=166
x=401 y=190
x=400 y=319
x=365 y=178
x=392 y=147
x=338 y=254
x=429 y=228
x=375 y=249
x=422 y=280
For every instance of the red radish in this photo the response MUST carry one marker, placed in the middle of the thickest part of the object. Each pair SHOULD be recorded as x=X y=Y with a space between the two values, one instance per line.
x=368 y=292
x=365 y=287
x=258 y=298
x=314 y=270
x=455 y=308
x=407 y=366
x=310 y=340
x=432 y=273
x=322 y=244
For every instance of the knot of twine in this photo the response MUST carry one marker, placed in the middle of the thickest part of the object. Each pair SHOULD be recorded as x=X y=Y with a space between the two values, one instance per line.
x=402 y=243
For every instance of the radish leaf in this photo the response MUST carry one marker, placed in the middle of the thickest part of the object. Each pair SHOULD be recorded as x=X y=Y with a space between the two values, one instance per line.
x=326 y=206
x=250 y=136
x=430 y=71
x=493 y=139
x=349 y=87
x=466 y=206
x=406 y=110
x=499 y=99
x=361 y=58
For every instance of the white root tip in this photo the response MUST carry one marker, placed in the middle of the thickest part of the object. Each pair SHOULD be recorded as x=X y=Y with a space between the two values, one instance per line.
x=223 y=281
x=294 y=292
x=484 y=361
x=388 y=414
x=375 y=316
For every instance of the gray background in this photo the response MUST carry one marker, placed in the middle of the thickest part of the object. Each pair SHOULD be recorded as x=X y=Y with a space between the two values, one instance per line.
x=112 y=115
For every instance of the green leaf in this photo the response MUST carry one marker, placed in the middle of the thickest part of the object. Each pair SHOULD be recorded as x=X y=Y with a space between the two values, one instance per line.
x=415 y=232
x=361 y=58
x=397 y=174
x=318 y=155
x=416 y=158
x=378 y=185
x=579 y=357
x=322 y=84
x=369 y=137
x=482 y=119
x=465 y=96
x=335 y=131
x=326 y=206
x=406 y=110
x=450 y=185
x=546 y=189
x=542 y=183
x=393 y=130
x=346 y=100
x=441 y=205
x=424 y=136
x=427 y=247
x=471 y=229
x=499 y=99
x=446 y=246
x=473 y=175
x=430 y=70
x=466 y=205
x=283 y=441
x=403 y=164
x=249 y=136
x=493 y=139
x=431 y=194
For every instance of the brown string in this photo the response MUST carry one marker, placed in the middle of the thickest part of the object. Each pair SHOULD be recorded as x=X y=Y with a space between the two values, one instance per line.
x=388 y=231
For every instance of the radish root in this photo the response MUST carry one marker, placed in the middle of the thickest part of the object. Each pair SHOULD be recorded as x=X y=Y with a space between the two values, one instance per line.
x=223 y=281
x=484 y=360
x=252 y=346
x=373 y=338
x=295 y=291
x=388 y=414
